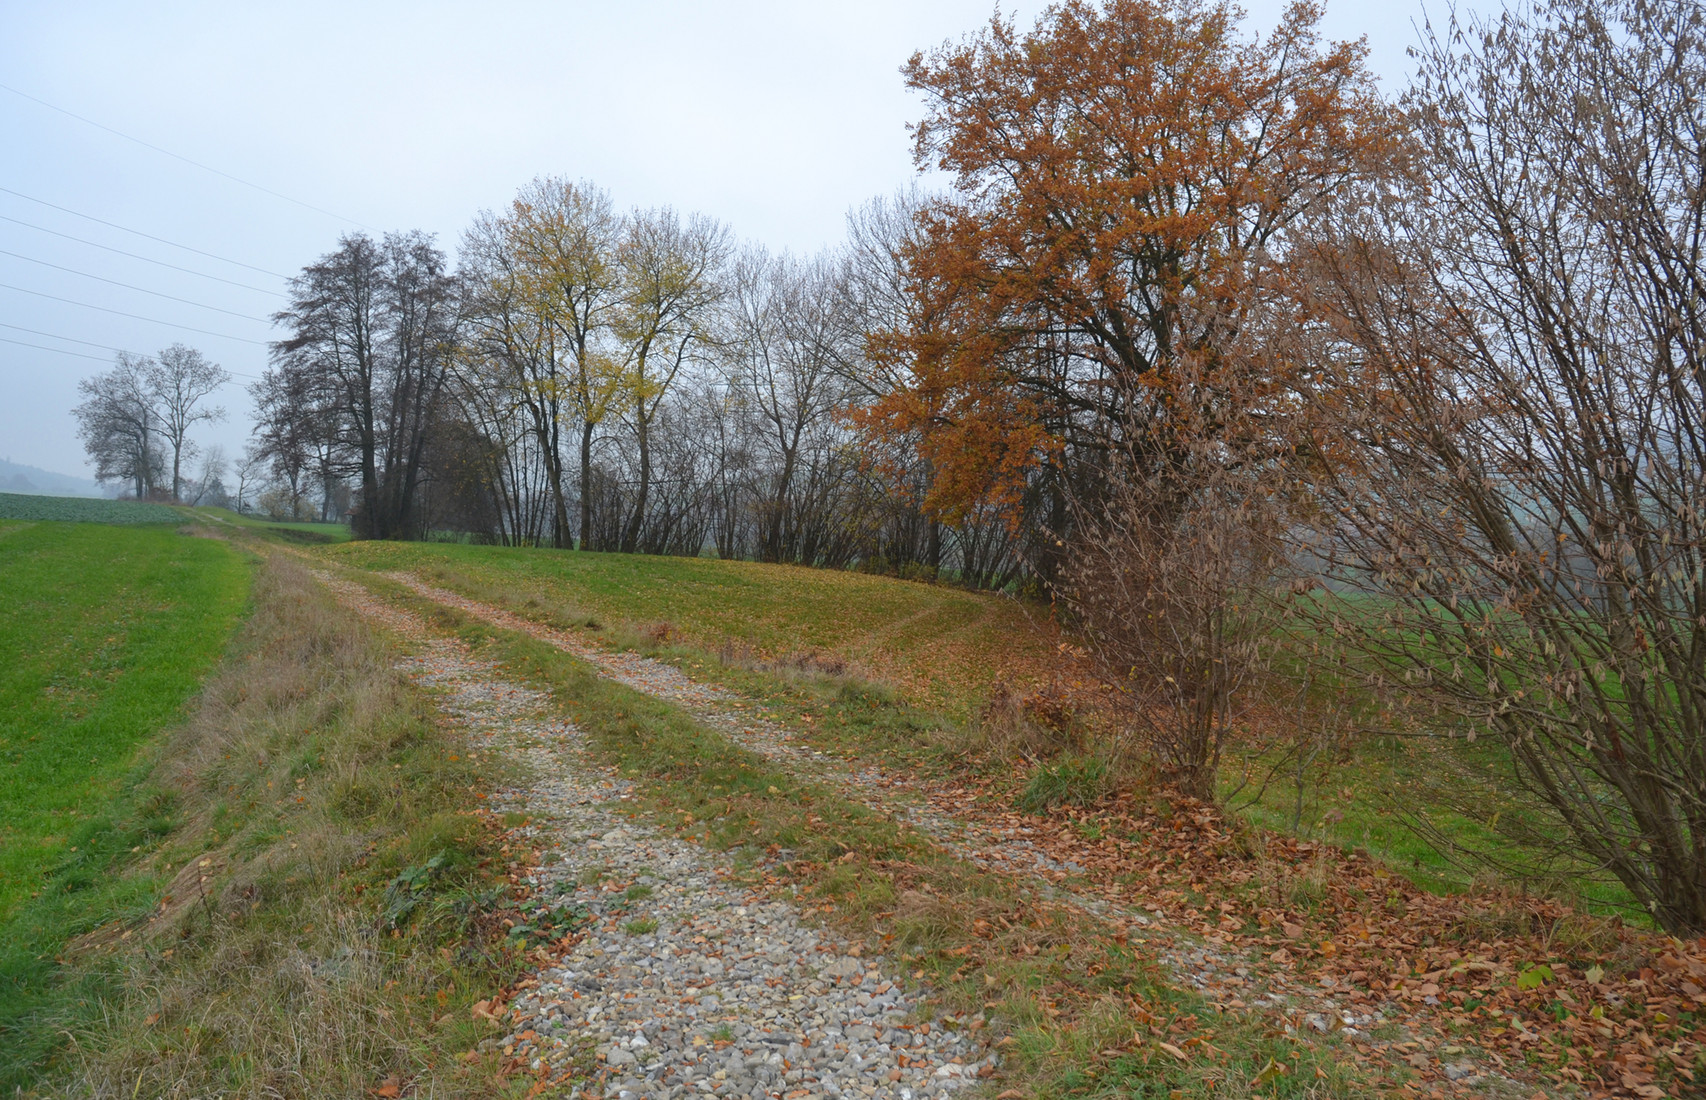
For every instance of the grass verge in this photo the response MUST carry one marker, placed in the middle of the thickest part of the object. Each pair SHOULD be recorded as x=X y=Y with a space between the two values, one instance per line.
x=327 y=903
x=105 y=632
x=940 y=646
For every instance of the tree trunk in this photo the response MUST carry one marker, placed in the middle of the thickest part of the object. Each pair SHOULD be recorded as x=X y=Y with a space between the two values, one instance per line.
x=631 y=537
x=586 y=485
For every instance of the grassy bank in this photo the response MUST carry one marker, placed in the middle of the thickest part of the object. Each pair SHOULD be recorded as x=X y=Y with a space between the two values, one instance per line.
x=284 y=530
x=1087 y=1010
x=289 y=893
x=940 y=646
x=901 y=671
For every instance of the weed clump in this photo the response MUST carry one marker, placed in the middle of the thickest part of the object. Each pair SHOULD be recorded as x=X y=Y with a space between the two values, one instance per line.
x=1070 y=781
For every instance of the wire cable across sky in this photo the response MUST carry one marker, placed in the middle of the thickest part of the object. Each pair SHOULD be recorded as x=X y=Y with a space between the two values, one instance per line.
x=131 y=286
x=137 y=232
x=140 y=256
x=133 y=316
x=184 y=159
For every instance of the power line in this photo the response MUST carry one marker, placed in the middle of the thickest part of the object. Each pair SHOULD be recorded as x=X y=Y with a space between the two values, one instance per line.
x=56 y=336
x=133 y=316
x=61 y=351
x=186 y=160
x=140 y=256
x=90 y=343
x=137 y=232
x=129 y=286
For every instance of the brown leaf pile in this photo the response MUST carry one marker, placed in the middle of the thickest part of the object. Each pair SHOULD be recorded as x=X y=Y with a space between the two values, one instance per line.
x=1545 y=991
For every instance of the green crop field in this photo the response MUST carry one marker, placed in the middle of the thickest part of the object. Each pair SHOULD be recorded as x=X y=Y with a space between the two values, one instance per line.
x=105 y=633
x=85 y=510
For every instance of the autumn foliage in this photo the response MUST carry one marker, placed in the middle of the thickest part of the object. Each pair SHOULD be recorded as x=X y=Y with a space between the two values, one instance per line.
x=1126 y=181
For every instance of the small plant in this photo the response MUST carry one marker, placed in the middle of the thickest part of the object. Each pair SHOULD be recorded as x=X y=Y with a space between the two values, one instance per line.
x=1072 y=781
x=411 y=887
x=722 y=1033
x=642 y=927
x=637 y=892
x=552 y=923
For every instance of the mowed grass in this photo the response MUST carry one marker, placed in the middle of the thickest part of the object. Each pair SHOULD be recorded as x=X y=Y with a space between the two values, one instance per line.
x=287 y=530
x=105 y=633
x=940 y=646
x=84 y=510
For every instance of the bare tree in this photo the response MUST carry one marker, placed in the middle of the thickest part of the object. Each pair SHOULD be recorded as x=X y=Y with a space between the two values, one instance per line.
x=292 y=427
x=207 y=487
x=373 y=327
x=1511 y=477
x=179 y=380
x=250 y=468
x=784 y=358
x=118 y=423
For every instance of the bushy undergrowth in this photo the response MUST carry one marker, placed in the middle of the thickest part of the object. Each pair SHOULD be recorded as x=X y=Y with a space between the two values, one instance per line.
x=310 y=778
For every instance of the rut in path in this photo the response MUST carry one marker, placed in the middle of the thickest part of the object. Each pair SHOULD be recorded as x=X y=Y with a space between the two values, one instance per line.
x=685 y=982
x=1203 y=966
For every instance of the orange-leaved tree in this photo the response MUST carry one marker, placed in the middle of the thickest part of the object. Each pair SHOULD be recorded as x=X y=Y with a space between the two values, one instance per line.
x=1126 y=180
x=1094 y=315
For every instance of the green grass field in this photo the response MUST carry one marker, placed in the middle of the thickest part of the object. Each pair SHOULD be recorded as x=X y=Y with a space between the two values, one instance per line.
x=288 y=531
x=105 y=633
x=939 y=645
x=85 y=510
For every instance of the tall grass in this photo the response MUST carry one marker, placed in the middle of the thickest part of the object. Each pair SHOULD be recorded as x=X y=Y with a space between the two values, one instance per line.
x=310 y=775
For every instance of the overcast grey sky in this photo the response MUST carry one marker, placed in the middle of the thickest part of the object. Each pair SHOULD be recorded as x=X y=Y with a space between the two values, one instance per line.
x=774 y=117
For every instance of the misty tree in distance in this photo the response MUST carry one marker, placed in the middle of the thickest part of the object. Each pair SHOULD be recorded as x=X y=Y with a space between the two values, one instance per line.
x=180 y=379
x=116 y=422
x=132 y=415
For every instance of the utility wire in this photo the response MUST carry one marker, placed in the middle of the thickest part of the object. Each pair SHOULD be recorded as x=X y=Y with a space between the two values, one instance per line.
x=133 y=316
x=186 y=160
x=90 y=343
x=56 y=336
x=62 y=351
x=137 y=232
x=140 y=256
x=130 y=286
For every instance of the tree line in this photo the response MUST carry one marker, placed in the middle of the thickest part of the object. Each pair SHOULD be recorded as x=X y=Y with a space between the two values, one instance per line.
x=633 y=382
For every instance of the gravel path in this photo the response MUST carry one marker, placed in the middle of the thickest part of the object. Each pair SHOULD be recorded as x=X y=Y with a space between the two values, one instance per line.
x=748 y=726
x=686 y=982
x=1223 y=975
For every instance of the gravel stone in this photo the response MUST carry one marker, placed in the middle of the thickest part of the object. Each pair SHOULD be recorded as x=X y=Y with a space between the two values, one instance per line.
x=732 y=994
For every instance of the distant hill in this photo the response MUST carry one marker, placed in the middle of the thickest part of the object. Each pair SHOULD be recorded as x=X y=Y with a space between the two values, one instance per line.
x=15 y=477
